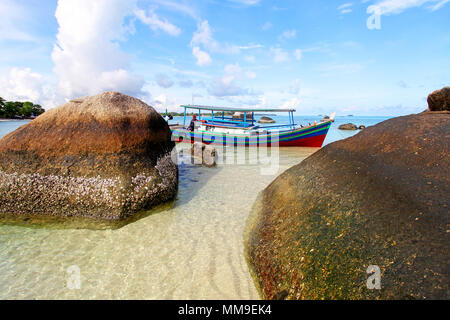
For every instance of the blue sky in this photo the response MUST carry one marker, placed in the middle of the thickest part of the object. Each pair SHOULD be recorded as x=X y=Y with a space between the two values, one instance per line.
x=365 y=57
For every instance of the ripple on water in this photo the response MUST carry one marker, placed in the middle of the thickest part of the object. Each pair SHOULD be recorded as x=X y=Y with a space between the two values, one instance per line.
x=189 y=249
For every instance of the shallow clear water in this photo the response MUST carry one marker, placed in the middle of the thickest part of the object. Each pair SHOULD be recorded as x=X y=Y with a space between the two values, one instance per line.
x=189 y=249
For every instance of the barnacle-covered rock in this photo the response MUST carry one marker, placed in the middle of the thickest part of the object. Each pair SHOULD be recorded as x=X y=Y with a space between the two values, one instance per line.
x=105 y=156
x=379 y=198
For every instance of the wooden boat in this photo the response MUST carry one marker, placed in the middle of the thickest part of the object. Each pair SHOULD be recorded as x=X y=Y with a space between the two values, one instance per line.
x=221 y=129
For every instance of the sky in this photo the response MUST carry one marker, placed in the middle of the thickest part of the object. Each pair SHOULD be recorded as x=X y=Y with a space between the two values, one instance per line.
x=362 y=57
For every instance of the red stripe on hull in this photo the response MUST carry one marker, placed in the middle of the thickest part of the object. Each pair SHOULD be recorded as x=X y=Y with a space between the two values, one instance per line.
x=313 y=142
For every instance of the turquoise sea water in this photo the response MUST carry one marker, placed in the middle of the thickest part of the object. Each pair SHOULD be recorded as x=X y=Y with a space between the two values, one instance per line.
x=9 y=126
x=191 y=248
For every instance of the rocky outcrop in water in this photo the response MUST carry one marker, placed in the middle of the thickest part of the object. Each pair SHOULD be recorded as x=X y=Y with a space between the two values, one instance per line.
x=379 y=198
x=266 y=120
x=242 y=115
x=348 y=126
x=105 y=156
x=439 y=100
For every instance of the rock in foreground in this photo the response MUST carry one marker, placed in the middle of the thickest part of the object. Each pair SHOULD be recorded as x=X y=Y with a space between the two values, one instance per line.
x=439 y=100
x=105 y=156
x=377 y=198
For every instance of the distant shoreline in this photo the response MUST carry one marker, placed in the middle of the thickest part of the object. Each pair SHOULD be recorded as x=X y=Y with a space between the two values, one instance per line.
x=3 y=119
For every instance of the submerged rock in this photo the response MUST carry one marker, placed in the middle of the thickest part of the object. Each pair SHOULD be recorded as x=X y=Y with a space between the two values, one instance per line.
x=266 y=120
x=204 y=154
x=439 y=100
x=105 y=156
x=348 y=126
x=377 y=198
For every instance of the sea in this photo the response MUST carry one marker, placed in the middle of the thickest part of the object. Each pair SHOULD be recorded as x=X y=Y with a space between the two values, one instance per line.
x=191 y=248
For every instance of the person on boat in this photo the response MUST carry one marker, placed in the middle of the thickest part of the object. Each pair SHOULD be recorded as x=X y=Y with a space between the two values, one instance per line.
x=192 y=124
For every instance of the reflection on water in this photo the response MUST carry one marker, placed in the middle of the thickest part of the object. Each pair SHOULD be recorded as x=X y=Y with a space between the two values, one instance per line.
x=189 y=249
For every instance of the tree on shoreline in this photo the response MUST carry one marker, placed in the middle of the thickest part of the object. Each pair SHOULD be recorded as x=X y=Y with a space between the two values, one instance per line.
x=14 y=109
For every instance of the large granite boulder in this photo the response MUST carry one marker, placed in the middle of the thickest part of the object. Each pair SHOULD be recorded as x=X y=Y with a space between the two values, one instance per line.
x=105 y=156
x=378 y=198
x=439 y=100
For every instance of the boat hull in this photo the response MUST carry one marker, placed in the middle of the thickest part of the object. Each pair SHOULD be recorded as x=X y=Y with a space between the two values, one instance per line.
x=313 y=136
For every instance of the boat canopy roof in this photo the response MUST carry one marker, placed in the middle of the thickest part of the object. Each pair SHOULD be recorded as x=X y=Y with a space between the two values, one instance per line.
x=196 y=107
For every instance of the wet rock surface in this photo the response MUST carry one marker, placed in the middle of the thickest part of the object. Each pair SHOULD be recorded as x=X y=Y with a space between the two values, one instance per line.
x=377 y=198
x=105 y=156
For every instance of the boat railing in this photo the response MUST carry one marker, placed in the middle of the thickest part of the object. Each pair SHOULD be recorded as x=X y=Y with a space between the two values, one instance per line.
x=243 y=124
x=278 y=125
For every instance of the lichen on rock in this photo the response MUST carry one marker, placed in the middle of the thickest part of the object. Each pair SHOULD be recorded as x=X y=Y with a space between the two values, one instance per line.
x=377 y=198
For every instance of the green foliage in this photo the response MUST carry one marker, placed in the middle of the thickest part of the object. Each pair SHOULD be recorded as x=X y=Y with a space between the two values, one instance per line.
x=27 y=109
x=2 y=105
x=11 y=109
x=37 y=110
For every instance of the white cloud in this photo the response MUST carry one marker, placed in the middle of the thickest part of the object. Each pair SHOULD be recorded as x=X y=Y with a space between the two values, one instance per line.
x=87 y=56
x=184 y=8
x=345 y=8
x=250 y=59
x=266 y=26
x=295 y=87
x=438 y=5
x=279 y=55
x=298 y=54
x=246 y=2
x=250 y=46
x=25 y=85
x=288 y=34
x=156 y=23
x=250 y=75
x=163 y=81
x=233 y=69
x=289 y=104
x=186 y=83
x=160 y=100
x=226 y=87
x=203 y=58
x=387 y=7
x=237 y=72
x=203 y=36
